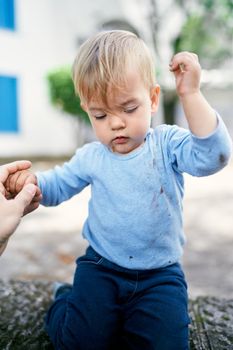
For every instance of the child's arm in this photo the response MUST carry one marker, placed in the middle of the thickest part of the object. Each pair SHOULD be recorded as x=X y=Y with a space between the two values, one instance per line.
x=200 y=116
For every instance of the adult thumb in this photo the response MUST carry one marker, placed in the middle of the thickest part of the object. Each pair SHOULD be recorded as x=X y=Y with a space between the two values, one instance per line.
x=25 y=196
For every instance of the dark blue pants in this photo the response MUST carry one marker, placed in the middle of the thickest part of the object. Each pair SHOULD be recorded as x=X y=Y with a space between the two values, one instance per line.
x=111 y=307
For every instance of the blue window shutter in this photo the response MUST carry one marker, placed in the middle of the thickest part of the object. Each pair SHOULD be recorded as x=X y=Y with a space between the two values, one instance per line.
x=8 y=104
x=7 y=14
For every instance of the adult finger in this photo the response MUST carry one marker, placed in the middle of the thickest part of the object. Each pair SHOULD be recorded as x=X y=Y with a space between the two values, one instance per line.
x=37 y=198
x=2 y=189
x=2 y=197
x=31 y=207
x=24 y=197
x=11 y=168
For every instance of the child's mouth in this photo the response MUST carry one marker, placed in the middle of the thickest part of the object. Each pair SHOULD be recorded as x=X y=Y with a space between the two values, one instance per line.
x=120 y=140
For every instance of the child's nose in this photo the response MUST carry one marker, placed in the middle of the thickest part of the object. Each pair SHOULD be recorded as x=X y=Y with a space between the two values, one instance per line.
x=116 y=122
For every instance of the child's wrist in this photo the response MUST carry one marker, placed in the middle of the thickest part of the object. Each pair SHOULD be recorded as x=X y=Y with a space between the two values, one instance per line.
x=189 y=95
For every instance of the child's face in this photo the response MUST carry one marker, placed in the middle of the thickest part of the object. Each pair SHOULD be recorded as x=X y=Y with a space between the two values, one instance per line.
x=123 y=124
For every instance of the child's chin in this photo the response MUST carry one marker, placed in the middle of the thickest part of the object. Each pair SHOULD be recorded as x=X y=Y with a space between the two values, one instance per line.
x=124 y=149
x=121 y=150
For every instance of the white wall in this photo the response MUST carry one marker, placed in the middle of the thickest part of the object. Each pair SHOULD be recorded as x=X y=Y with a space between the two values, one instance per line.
x=29 y=53
x=48 y=33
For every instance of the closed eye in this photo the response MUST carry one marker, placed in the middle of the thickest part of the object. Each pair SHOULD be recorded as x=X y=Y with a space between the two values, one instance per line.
x=97 y=117
x=131 y=109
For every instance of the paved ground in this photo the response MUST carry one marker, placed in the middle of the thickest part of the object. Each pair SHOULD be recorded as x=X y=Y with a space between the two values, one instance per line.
x=48 y=241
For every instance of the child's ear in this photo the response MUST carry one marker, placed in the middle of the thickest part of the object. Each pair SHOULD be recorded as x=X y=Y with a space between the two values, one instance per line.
x=154 y=96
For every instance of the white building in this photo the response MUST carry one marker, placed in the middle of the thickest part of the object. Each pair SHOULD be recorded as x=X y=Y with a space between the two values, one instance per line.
x=35 y=38
x=39 y=36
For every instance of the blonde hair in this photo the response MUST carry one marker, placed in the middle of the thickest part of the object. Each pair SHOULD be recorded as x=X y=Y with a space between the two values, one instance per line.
x=104 y=59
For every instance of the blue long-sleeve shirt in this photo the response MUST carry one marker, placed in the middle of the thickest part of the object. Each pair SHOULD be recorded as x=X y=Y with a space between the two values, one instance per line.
x=135 y=210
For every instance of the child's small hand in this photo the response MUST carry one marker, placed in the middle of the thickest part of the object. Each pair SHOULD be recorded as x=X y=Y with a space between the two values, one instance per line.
x=18 y=180
x=15 y=184
x=187 y=71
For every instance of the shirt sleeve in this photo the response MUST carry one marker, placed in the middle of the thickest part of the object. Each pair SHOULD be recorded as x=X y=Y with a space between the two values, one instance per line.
x=63 y=182
x=199 y=156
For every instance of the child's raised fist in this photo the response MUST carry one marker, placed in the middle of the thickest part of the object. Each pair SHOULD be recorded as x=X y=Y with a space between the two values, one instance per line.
x=187 y=71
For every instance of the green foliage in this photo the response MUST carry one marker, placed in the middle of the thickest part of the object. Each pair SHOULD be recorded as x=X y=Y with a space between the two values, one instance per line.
x=62 y=93
x=207 y=31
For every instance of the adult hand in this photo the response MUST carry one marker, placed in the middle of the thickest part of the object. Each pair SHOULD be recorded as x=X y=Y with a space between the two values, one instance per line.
x=12 y=210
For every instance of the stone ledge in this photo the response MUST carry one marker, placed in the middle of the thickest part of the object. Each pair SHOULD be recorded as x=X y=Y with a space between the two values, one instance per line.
x=212 y=324
x=23 y=306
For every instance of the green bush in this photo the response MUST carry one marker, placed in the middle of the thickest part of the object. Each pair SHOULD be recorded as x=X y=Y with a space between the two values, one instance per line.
x=62 y=93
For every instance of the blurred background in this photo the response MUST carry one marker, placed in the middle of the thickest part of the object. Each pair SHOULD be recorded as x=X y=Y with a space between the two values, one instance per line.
x=41 y=120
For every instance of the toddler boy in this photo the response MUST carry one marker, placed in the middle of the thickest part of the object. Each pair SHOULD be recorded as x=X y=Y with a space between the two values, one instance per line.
x=129 y=290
